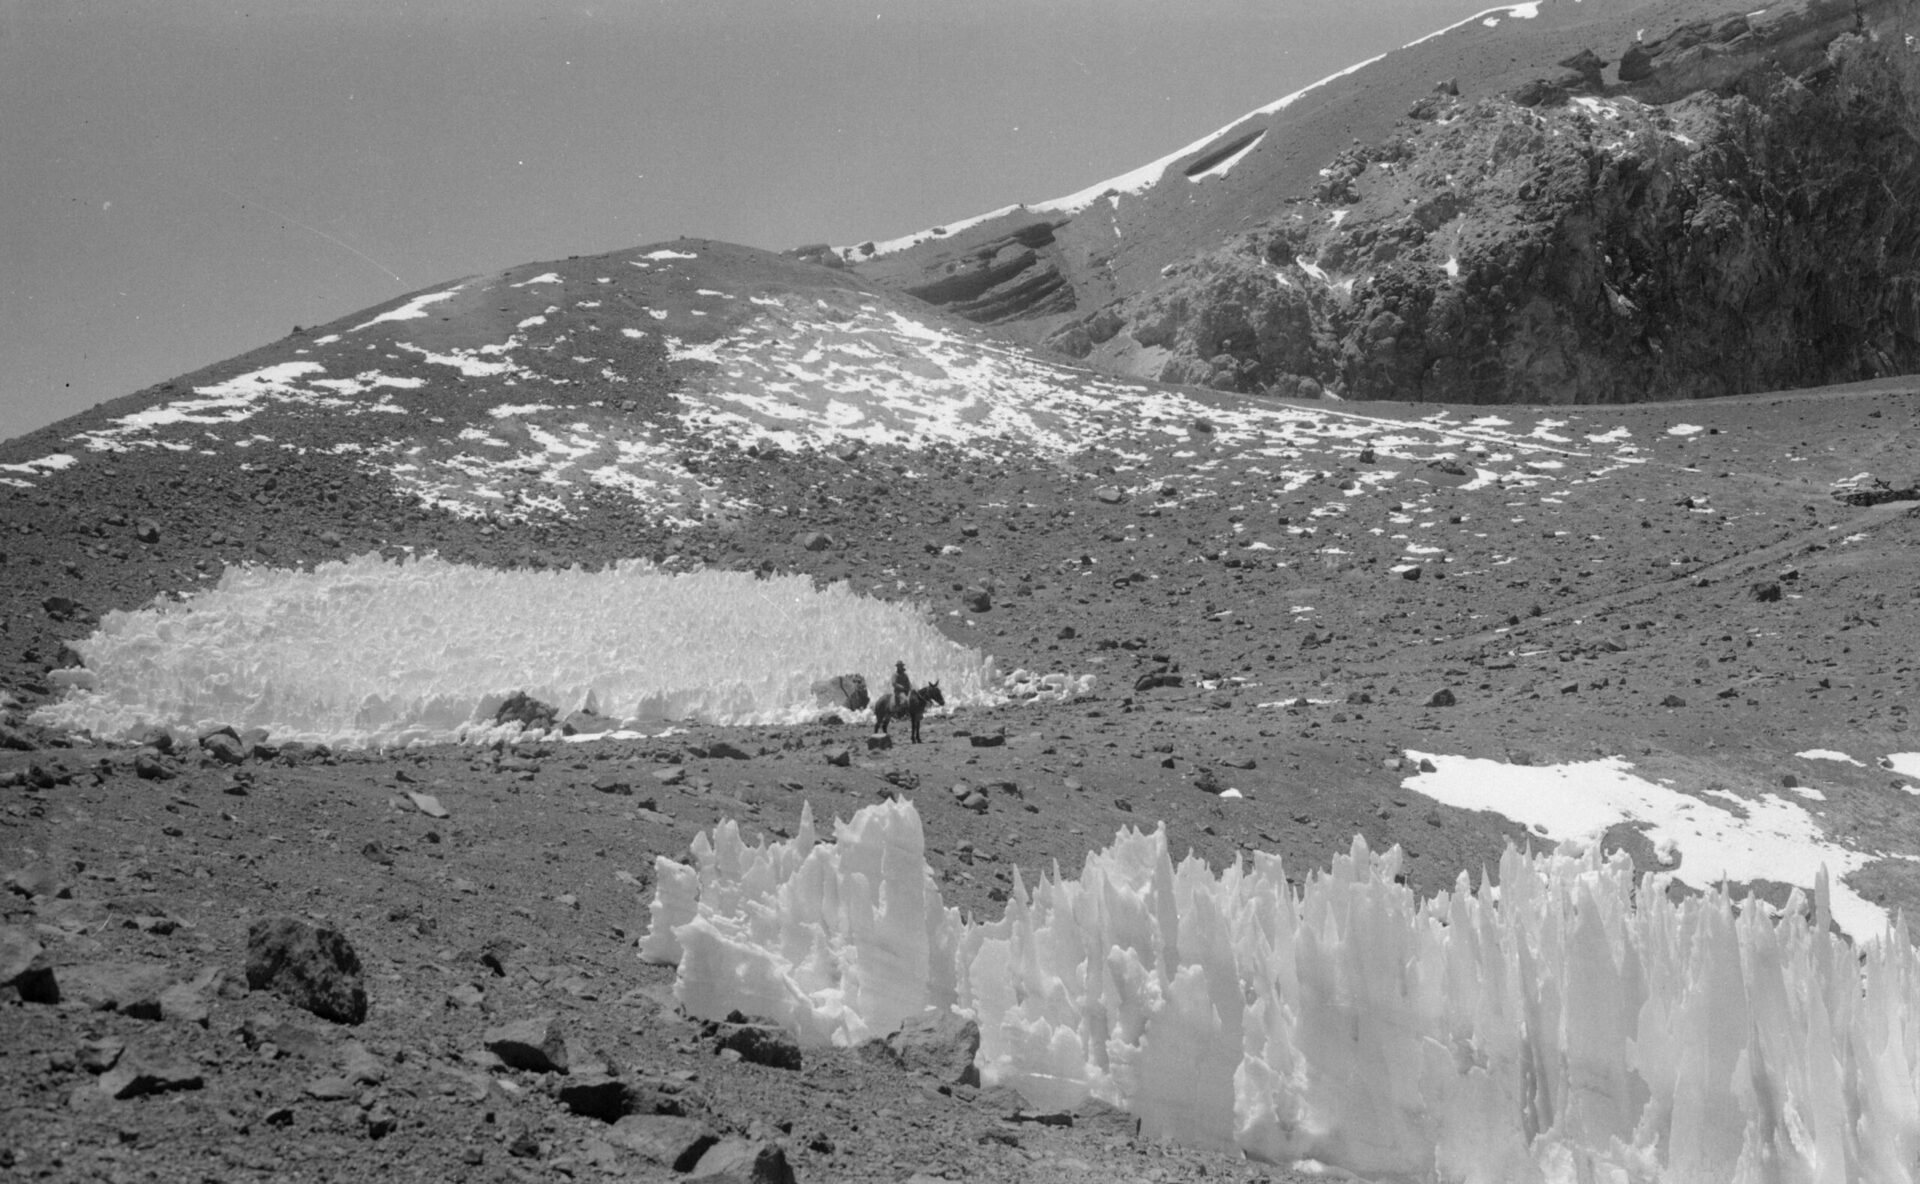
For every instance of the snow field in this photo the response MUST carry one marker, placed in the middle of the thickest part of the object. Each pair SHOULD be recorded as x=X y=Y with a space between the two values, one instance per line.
x=367 y=652
x=1571 y=1024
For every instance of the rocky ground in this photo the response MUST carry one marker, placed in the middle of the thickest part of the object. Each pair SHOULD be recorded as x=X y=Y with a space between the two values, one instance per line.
x=1705 y=612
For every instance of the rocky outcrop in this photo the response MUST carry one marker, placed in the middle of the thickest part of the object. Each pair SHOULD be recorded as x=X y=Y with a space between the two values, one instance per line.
x=1011 y=276
x=1589 y=249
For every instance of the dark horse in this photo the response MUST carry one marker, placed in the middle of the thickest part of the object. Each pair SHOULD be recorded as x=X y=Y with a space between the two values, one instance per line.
x=912 y=705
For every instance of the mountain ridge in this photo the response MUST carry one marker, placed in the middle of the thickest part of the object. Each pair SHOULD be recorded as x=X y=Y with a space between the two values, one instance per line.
x=1287 y=193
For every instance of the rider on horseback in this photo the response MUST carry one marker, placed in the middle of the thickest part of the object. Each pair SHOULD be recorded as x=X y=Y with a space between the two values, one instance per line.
x=902 y=687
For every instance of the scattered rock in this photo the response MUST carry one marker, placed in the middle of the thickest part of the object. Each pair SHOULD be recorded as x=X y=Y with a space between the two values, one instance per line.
x=665 y=1139
x=742 y=1161
x=24 y=967
x=147 y=531
x=330 y=1089
x=191 y=1002
x=840 y=756
x=39 y=879
x=759 y=1044
x=976 y=600
x=313 y=968
x=941 y=1044
x=223 y=747
x=527 y=711
x=1441 y=698
x=879 y=743
x=130 y=988
x=1673 y=701
x=149 y=767
x=537 y=1044
x=1765 y=591
x=671 y=775
x=812 y=540
x=1109 y=494
x=135 y=1076
x=987 y=739
x=427 y=804
x=1157 y=678
x=721 y=750
x=358 y=1064
x=98 y=1056
x=618 y=786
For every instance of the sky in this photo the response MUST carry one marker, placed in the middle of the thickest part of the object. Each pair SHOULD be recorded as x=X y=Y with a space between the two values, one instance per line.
x=185 y=180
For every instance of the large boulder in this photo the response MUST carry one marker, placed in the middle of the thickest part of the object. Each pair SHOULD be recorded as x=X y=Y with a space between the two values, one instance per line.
x=311 y=967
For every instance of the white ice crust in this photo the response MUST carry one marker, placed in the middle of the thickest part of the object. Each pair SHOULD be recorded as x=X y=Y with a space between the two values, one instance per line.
x=1572 y=1024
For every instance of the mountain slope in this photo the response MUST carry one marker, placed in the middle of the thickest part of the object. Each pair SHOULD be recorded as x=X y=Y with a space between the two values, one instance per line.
x=1298 y=600
x=1579 y=211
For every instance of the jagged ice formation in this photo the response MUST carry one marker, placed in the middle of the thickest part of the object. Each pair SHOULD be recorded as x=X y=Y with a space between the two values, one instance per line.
x=1572 y=1023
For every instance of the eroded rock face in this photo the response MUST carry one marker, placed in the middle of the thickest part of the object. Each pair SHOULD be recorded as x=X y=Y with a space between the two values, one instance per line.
x=1713 y=208
x=1595 y=251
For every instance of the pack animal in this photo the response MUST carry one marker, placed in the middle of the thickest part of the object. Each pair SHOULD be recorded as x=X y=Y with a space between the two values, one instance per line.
x=911 y=706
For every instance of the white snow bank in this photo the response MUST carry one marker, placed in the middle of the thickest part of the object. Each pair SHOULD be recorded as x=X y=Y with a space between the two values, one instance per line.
x=1717 y=837
x=1572 y=1024
x=1828 y=754
x=411 y=310
x=367 y=652
x=1907 y=764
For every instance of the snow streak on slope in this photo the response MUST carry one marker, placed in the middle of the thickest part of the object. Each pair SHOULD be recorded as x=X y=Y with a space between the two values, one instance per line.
x=1707 y=840
x=1572 y=1025
x=1140 y=180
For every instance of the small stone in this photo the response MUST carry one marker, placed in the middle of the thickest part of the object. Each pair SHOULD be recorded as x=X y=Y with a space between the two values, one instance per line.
x=135 y=1076
x=1427 y=766
x=1673 y=701
x=359 y=1065
x=130 y=988
x=1441 y=698
x=38 y=879
x=1109 y=494
x=191 y=1002
x=987 y=739
x=977 y=600
x=812 y=540
x=149 y=767
x=743 y=1161
x=840 y=757
x=941 y=1044
x=975 y=801
x=309 y=966
x=880 y=742
x=223 y=747
x=671 y=775
x=465 y=995
x=760 y=1044
x=537 y=1044
x=674 y=1141
x=98 y=1056
x=427 y=804
x=619 y=786
x=330 y=1089
x=147 y=531
x=24 y=966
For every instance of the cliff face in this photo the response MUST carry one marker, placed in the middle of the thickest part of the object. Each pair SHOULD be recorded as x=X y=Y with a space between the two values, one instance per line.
x=1733 y=206
x=1594 y=250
